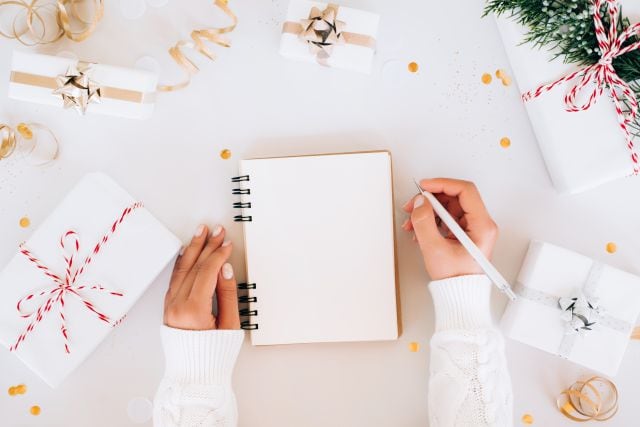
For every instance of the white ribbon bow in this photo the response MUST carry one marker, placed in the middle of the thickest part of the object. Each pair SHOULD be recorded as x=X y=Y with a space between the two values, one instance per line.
x=581 y=312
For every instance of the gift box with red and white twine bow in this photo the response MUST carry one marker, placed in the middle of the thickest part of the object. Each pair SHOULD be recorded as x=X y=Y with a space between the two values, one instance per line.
x=581 y=149
x=78 y=275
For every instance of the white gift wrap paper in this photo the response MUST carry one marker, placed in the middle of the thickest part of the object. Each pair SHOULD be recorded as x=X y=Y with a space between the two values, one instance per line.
x=104 y=75
x=129 y=262
x=581 y=150
x=561 y=272
x=346 y=56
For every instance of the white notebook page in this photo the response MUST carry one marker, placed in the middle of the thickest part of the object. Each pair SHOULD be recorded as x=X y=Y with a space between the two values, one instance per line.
x=320 y=248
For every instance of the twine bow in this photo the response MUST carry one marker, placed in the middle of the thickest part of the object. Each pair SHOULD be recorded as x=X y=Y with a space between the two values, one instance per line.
x=67 y=284
x=581 y=312
x=322 y=31
x=77 y=88
x=604 y=74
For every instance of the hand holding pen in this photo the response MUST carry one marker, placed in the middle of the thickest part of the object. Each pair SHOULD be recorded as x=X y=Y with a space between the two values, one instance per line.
x=465 y=246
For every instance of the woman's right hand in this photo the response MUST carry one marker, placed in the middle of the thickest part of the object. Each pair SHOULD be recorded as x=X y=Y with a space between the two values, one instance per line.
x=443 y=255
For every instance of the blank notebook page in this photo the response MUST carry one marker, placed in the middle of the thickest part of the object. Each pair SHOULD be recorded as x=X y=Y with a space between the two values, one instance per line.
x=320 y=248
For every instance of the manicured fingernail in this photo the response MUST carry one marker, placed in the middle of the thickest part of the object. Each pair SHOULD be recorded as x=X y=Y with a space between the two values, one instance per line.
x=216 y=231
x=404 y=224
x=227 y=271
x=226 y=243
x=418 y=202
x=199 y=231
x=182 y=251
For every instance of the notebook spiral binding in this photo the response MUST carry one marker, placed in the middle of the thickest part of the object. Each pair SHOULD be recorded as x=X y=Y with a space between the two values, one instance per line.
x=245 y=312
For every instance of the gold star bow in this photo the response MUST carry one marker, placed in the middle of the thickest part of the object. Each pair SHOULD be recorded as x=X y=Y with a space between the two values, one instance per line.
x=77 y=88
x=322 y=31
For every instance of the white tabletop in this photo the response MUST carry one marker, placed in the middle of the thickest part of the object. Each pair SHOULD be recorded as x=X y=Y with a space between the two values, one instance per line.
x=439 y=122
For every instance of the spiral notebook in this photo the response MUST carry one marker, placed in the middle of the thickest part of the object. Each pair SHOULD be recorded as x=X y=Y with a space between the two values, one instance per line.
x=320 y=248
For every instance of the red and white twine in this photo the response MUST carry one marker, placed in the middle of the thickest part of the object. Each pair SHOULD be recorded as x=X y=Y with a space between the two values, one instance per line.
x=603 y=74
x=55 y=294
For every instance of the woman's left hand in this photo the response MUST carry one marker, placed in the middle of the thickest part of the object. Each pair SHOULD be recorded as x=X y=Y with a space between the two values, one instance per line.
x=200 y=272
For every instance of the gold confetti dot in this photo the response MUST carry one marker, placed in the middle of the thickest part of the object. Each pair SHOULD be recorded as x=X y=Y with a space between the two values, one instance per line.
x=225 y=154
x=527 y=419
x=506 y=81
x=35 y=410
x=413 y=67
x=500 y=73
x=24 y=130
x=611 y=247
x=25 y=222
x=486 y=78
x=20 y=389
x=505 y=142
x=12 y=391
x=414 y=347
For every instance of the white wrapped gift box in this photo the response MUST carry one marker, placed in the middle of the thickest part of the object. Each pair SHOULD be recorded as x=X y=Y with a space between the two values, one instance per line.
x=127 y=263
x=126 y=92
x=359 y=26
x=581 y=149
x=537 y=318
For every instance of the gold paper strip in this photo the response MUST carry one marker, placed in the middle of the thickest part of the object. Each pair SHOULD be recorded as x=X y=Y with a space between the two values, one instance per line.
x=197 y=42
x=635 y=335
x=106 y=91
x=357 y=39
x=64 y=18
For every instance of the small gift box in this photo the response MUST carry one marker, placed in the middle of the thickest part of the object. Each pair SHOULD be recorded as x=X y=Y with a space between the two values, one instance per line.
x=329 y=35
x=581 y=149
x=78 y=275
x=573 y=306
x=83 y=86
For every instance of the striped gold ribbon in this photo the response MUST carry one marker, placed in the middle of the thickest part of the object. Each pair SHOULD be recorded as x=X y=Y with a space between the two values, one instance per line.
x=107 y=92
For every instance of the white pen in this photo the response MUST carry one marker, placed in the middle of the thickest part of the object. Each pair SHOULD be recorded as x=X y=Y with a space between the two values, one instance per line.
x=475 y=252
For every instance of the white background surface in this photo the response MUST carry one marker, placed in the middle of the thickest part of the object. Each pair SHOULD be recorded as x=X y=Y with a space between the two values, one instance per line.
x=442 y=121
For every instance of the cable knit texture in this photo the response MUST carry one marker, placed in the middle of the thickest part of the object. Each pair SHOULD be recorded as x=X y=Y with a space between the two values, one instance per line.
x=469 y=383
x=196 y=388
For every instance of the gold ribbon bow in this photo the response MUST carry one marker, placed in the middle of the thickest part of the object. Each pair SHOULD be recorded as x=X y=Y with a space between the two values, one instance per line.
x=77 y=88
x=322 y=31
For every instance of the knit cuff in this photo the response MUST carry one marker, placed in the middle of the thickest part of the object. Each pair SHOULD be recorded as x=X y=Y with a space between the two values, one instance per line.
x=462 y=302
x=200 y=357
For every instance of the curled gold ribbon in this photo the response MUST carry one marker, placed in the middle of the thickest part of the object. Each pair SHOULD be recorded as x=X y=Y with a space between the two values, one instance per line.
x=9 y=140
x=595 y=399
x=66 y=12
x=197 y=43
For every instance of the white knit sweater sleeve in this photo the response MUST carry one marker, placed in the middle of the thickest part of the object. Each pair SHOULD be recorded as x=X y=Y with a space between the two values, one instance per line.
x=196 y=388
x=469 y=383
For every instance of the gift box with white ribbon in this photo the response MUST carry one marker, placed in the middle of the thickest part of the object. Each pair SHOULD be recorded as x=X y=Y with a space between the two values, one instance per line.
x=78 y=275
x=329 y=35
x=82 y=86
x=574 y=307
